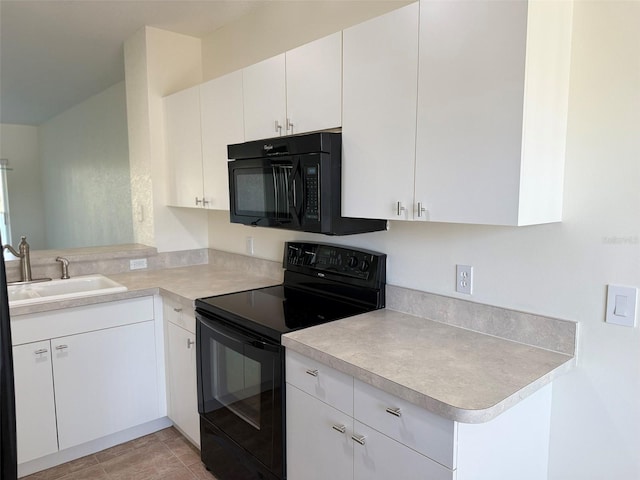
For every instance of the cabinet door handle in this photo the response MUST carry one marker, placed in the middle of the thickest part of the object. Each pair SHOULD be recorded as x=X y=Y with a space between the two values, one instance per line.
x=278 y=127
x=400 y=208
x=421 y=209
x=198 y=201
x=177 y=310
x=339 y=428
x=358 y=438
x=62 y=347
x=204 y=202
x=289 y=125
x=395 y=411
x=41 y=351
x=313 y=373
x=190 y=343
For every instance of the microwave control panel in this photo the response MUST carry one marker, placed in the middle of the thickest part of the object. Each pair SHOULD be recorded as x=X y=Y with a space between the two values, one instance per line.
x=312 y=192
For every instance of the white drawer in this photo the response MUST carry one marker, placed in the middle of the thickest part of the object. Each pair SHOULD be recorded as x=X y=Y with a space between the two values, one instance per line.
x=413 y=426
x=378 y=457
x=323 y=382
x=176 y=313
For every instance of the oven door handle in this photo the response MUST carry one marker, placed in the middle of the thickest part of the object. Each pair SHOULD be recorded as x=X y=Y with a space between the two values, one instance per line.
x=237 y=336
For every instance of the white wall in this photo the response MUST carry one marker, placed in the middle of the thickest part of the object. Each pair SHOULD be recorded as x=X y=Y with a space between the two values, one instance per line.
x=158 y=63
x=19 y=145
x=560 y=269
x=84 y=158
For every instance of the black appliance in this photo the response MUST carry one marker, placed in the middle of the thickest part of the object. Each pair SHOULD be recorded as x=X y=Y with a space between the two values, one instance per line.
x=8 y=443
x=240 y=358
x=293 y=183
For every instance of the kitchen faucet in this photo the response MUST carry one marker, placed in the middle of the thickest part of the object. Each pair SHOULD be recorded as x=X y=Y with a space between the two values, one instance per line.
x=23 y=255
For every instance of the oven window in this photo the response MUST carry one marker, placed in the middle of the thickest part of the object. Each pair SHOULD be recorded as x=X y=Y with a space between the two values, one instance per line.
x=236 y=383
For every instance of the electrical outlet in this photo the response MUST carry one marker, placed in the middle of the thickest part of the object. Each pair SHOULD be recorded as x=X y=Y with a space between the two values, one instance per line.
x=138 y=264
x=464 y=279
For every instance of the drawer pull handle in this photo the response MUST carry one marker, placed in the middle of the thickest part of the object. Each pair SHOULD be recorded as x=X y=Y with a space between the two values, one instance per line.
x=41 y=351
x=339 y=428
x=358 y=439
x=177 y=310
x=313 y=373
x=395 y=411
x=62 y=347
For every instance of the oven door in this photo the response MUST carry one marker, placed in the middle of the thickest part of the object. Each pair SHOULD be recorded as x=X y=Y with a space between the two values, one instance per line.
x=240 y=388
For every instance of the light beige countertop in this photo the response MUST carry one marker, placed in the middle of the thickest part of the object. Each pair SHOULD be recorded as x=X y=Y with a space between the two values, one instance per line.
x=183 y=284
x=458 y=374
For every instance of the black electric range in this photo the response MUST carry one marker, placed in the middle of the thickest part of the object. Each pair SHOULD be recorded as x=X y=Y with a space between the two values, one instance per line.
x=241 y=359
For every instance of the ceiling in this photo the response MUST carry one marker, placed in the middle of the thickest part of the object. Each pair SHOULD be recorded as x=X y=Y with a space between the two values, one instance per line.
x=57 y=53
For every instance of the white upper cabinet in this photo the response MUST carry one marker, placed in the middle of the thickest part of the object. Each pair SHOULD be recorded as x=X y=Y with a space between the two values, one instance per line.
x=314 y=85
x=492 y=110
x=222 y=124
x=380 y=75
x=265 y=98
x=184 y=148
x=294 y=92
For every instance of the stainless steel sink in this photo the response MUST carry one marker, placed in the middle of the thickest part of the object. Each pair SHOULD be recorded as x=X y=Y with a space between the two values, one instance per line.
x=27 y=294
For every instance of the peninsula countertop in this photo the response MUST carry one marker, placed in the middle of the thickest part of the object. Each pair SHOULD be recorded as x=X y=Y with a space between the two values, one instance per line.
x=458 y=374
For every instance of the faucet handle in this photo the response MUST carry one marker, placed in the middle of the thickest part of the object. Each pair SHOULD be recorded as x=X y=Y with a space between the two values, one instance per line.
x=65 y=267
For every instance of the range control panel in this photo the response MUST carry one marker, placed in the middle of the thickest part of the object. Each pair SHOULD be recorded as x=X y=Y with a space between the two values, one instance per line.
x=334 y=260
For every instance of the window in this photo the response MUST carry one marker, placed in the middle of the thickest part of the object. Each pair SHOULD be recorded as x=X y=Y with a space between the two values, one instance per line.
x=5 y=228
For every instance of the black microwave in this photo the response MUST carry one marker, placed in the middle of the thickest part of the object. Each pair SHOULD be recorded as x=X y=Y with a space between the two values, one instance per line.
x=292 y=183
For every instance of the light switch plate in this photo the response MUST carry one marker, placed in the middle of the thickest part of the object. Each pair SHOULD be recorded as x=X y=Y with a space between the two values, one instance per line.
x=621 y=305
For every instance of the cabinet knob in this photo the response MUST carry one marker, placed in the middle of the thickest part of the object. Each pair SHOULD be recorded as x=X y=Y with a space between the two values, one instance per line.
x=358 y=438
x=395 y=411
x=190 y=343
x=339 y=428
x=313 y=373
x=41 y=351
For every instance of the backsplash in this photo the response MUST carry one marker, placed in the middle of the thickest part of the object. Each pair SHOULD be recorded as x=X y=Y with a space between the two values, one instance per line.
x=531 y=329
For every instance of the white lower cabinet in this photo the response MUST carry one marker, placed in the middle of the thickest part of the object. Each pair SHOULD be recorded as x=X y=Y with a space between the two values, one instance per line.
x=181 y=370
x=105 y=382
x=83 y=373
x=342 y=430
x=35 y=403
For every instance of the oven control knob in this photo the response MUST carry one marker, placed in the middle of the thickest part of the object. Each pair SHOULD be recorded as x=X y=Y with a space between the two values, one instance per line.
x=364 y=265
x=352 y=262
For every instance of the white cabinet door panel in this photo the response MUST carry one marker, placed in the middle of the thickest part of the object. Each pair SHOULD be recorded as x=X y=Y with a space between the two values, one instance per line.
x=380 y=75
x=35 y=407
x=264 y=91
x=222 y=125
x=184 y=147
x=183 y=397
x=105 y=382
x=314 y=85
x=381 y=458
x=317 y=448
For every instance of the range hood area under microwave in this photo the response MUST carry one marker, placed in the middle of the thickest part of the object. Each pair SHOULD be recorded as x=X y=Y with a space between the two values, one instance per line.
x=293 y=183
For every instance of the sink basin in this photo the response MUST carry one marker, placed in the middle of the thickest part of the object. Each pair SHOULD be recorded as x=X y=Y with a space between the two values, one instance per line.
x=54 y=290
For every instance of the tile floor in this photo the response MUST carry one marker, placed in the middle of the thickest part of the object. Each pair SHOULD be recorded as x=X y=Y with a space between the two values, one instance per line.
x=164 y=455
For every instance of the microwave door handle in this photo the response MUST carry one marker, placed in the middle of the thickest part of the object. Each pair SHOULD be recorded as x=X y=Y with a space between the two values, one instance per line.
x=294 y=207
